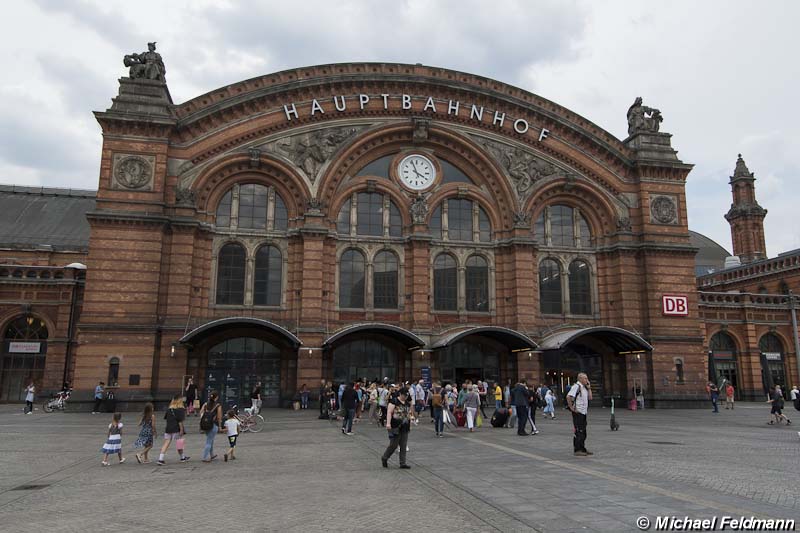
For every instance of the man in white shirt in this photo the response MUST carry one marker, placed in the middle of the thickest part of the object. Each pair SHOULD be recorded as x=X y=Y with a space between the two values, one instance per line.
x=419 y=397
x=578 y=402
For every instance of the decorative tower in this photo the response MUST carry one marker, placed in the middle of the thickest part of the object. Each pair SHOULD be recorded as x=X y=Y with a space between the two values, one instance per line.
x=745 y=216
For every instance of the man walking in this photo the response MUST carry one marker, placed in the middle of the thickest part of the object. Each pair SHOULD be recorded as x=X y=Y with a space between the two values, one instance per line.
x=349 y=401
x=713 y=392
x=98 y=398
x=578 y=402
x=520 y=396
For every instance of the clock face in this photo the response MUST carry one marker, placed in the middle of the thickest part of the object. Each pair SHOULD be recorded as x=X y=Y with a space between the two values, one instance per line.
x=416 y=172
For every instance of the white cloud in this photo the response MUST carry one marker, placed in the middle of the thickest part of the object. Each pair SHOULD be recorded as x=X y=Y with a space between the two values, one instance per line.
x=722 y=72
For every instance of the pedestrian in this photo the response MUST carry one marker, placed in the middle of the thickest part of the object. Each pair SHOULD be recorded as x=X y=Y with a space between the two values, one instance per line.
x=349 y=401
x=174 y=429
x=383 y=402
x=794 y=395
x=232 y=428
x=255 y=399
x=399 y=414
x=729 y=395
x=98 y=398
x=451 y=396
x=713 y=392
x=578 y=402
x=147 y=428
x=30 y=394
x=437 y=408
x=533 y=404
x=359 y=399
x=519 y=397
x=776 y=399
x=482 y=390
x=113 y=440
x=420 y=397
x=462 y=394
x=211 y=424
x=549 y=408
x=190 y=393
x=512 y=411
x=498 y=397
x=639 y=397
x=323 y=398
x=472 y=402
x=304 y=393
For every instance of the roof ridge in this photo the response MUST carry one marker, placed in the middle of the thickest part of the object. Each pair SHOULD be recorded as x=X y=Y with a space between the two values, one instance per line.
x=48 y=191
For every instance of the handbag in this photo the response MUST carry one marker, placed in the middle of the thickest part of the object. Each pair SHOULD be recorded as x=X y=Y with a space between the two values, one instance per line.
x=180 y=443
x=479 y=421
x=196 y=404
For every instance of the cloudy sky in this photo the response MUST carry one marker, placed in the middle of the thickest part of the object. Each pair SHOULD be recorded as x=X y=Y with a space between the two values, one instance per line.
x=723 y=73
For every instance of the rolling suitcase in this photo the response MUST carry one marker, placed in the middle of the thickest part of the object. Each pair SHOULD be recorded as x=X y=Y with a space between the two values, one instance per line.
x=461 y=418
x=499 y=418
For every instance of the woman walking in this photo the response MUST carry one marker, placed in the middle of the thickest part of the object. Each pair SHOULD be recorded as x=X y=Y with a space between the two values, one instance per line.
x=30 y=394
x=472 y=402
x=549 y=408
x=398 y=422
x=304 y=393
x=148 y=429
x=191 y=395
x=113 y=440
x=533 y=404
x=776 y=399
x=174 y=430
x=211 y=423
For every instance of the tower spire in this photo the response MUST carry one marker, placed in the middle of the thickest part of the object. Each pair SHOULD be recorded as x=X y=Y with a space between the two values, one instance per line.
x=745 y=216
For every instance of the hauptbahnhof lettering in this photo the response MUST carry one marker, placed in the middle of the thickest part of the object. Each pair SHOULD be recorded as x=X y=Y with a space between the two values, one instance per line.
x=382 y=220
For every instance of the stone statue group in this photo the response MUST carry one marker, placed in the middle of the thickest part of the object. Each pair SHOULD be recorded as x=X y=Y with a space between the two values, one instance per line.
x=642 y=118
x=147 y=65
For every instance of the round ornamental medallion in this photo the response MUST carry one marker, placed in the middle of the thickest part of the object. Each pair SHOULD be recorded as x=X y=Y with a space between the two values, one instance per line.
x=133 y=172
x=663 y=210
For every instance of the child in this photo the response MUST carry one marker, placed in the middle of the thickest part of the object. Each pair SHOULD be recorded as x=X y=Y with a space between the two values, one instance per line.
x=232 y=425
x=114 y=442
x=145 y=440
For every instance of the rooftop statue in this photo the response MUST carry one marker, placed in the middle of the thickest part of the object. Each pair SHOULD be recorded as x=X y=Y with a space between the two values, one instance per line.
x=642 y=118
x=147 y=65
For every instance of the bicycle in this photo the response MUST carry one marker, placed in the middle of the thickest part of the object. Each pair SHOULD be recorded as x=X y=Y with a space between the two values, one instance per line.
x=57 y=402
x=248 y=421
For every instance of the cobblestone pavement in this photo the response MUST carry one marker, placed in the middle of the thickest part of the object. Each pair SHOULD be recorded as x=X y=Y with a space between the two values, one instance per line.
x=302 y=474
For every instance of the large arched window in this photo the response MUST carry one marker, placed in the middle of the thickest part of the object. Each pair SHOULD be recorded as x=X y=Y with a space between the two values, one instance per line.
x=771 y=349
x=267 y=278
x=770 y=343
x=251 y=206
x=384 y=280
x=375 y=215
x=563 y=226
x=477 y=284
x=580 y=291
x=722 y=343
x=550 y=287
x=445 y=283
x=231 y=275
x=351 y=280
x=464 y=219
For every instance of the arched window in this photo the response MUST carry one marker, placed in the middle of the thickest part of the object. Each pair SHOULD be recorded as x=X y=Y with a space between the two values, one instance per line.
x=722 y=343
x=370 y=208
x=679 y=370
x=563 y=226
x=550 y=287
x=459 y=220
x=580 y=293
x=770 y=343
x=477 y=284
x=230 y=275
x=465 y=221
x=484 y=226
x=445 y=283
x=384 y=281
x=113 y=372
x=351 y=280
x=268 y=273
x=251 y=206
x=435 y=224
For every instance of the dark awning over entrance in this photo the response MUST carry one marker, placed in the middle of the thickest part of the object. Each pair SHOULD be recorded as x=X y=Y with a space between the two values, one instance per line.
x=396 y=332
x=214 y=326
x=619 y=339
x=513 y=339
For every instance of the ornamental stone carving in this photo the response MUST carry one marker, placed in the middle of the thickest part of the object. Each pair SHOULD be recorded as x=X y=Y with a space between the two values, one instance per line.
x=522 y=219
x=624 y=224
x=642 y=118
x=419 y=209
x=133 y=172
x=421 y=128
x=663 y=209
x=311 y=151
x=147 y=65
x=523 y=167
x=185 y=197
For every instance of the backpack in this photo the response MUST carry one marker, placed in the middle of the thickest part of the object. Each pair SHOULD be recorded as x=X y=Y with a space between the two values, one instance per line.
x=207 y=420
x=436 y=398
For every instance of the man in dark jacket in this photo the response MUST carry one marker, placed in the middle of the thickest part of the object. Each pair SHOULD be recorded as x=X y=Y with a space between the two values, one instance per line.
x=349 y=400
x=519 y=397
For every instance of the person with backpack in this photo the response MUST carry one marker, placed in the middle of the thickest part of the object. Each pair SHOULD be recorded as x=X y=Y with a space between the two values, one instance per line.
x=399 y=415
x=437 y=408
x=210 y=424
x=713 y=393
x=578 y=402
x=776 y=399
x=174 y=430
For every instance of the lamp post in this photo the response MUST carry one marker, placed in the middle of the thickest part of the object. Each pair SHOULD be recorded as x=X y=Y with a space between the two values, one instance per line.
x=793 y=314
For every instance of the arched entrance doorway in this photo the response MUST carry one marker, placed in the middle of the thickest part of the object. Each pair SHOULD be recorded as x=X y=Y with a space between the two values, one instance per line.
x=233 y=355
x=722 y=360
x=617 y=362
x=773 y=370
x=23 y=357
x=487 y=353
x=369 y=351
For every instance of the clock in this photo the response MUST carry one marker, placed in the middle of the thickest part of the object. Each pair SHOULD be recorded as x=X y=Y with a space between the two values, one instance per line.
x=416 y=172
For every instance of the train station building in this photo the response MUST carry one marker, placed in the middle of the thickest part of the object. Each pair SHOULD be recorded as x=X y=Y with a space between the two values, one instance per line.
x=371 y=220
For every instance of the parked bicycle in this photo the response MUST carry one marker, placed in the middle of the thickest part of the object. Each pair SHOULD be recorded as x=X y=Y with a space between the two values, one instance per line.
x=57 y=402
x=248 y=421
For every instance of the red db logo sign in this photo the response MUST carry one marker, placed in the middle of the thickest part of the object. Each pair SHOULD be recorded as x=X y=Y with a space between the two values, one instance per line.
x=674 y=305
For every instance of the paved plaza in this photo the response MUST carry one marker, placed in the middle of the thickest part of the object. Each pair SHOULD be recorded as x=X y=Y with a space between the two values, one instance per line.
x=302 y=474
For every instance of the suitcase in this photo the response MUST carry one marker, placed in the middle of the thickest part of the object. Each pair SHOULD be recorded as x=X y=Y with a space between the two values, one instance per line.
x=499 y=418
x=461 y=418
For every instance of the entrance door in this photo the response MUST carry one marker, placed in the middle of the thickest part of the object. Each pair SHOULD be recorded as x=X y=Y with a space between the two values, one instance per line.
x=726 y=370
x=236 y=366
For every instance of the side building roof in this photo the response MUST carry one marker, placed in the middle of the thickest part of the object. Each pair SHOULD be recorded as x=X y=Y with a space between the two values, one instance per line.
x=37 y=217
x=710 y=255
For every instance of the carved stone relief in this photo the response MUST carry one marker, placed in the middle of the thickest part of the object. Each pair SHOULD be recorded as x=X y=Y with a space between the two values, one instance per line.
x=523 y=167
x=133 y=172
x=311 y=151
x=419 y=209
x=663 y=209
